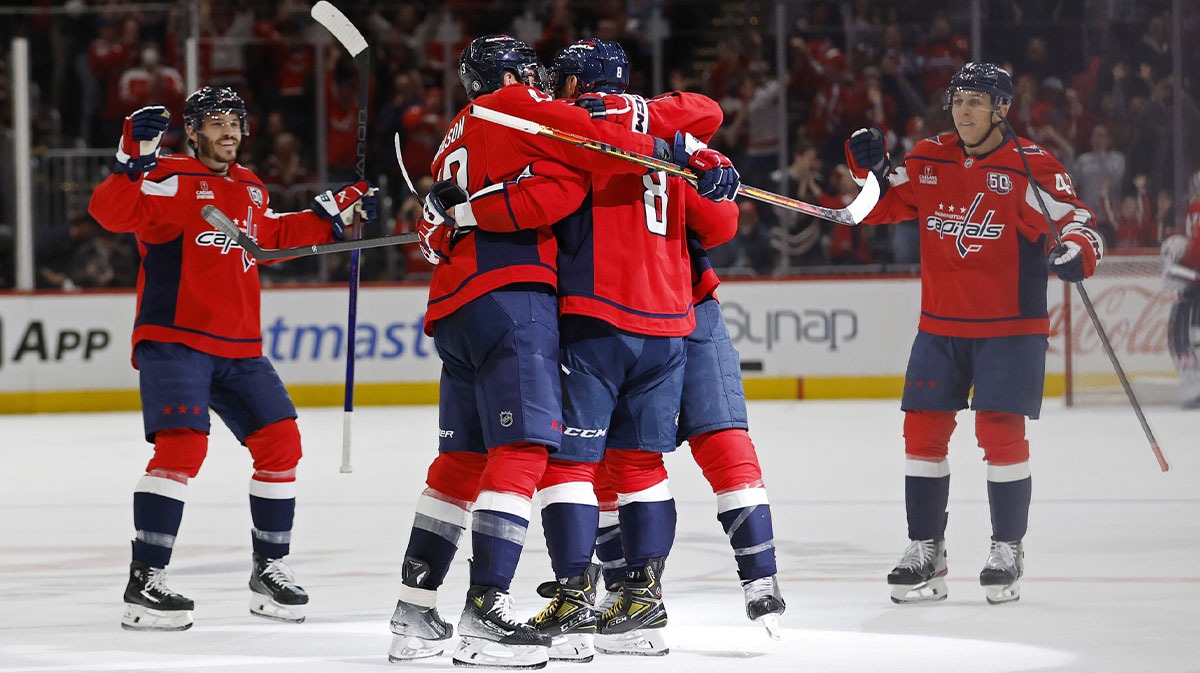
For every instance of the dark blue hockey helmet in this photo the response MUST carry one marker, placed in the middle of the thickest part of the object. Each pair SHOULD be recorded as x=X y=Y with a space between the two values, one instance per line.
x=482 y=65
x=600 y=65
x=986 y=77
x=209 y=100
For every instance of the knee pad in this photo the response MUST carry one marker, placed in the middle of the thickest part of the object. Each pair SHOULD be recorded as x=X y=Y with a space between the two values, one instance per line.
x=1002 y=437
x=276 y=451
x=566 y=471
x=514 y=468
x=602 y=485
x=457 y=474
x=632 y=471
x=927 y=434
x=727 y=459
x=178 y=454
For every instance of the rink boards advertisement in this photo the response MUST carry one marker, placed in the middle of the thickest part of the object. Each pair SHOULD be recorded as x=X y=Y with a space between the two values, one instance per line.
x=797 y=339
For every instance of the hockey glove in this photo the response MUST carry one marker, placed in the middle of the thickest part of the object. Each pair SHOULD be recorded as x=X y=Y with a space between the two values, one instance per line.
x=866 y=152
x=717 y=180
x=436 y=227
x=341 y=205
x=616 y=108
x=140 y=138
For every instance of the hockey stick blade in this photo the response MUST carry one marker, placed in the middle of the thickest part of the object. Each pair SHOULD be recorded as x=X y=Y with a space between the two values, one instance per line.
x=221 y=222
x=336 y=23
x=851 y=215
x=403 y=171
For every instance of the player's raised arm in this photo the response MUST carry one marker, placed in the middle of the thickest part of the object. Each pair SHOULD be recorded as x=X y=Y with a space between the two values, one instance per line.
x=118 y=203
x=866 y=153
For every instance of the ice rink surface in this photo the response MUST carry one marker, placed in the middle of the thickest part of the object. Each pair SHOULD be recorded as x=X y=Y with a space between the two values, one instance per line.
x=1112 y=556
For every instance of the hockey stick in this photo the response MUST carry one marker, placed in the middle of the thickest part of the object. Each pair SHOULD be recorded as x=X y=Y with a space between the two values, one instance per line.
x=850 y=215
x=221 y=222
x=1091 y=310
x=336 y=23
x=404 y=171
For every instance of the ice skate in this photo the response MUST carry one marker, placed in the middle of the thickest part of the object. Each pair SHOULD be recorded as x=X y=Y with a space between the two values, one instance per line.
x=764 y=603
x=274 y=593
x=570 y=619
x=150 y=605
x=419 y=631
x=1001 y=574
x=493 y=638
x=920 y=576
x=634 y=624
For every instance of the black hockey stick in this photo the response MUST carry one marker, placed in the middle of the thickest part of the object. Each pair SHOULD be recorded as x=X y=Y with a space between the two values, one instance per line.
x=850 y=215
x=1091 y=310
x=222 y=223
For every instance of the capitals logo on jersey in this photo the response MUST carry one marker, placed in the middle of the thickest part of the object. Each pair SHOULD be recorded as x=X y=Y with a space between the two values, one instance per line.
x=945 y=222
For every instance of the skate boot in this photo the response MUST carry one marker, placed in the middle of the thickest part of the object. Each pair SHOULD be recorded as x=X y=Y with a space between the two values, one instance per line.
x=920 y=576
x=764 y=603
x=634 y=624
x=150 y=605
x=493 y=638
x=611 y=593
x=1000 y=575
x=274 y=593
x=420 y=632
x=570 y=619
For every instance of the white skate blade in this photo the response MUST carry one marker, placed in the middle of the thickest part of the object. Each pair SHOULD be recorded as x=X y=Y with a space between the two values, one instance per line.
x=574 y=648
x=264 y=606
x=925 y=592
x=640 y=642
x=770 y=622
x=141 y=618
x=480 y=653
x=409 y=648
x=998 y=594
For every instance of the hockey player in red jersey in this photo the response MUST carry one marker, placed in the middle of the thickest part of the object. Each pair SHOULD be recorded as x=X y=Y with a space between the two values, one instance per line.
x=983 y=320
x=1181 y=273
x=197 y=341
x=625 y=303
x=712 y=420
x=492 y=314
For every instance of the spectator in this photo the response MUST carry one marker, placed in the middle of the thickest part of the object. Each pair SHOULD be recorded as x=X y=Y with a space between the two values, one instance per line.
x=1132 y=220
x=109 y=55
x=847 y=245
x=797 y=236
x=106 y=260
x=151 y=82
x=285 y=168
x=1092 y=169
x=751 y=249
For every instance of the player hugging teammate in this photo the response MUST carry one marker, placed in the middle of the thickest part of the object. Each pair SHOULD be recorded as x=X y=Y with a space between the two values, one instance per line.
x=564 y=307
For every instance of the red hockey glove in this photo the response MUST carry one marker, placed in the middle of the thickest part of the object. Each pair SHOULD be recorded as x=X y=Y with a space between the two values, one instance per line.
x=717 y=180
x=140 y=137
x=617 y=108
x=436 y=227
x=1077 y=256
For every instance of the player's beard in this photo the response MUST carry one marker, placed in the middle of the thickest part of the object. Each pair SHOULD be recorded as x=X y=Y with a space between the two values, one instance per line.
x=207 y=147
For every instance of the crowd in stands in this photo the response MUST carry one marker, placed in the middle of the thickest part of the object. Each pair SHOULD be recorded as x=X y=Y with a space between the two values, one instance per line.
x=1093 y=84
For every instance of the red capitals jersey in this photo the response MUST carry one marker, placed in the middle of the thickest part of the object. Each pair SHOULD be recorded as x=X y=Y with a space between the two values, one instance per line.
x=623 y=257
x=520 y=184
x=195 y=285
x=983 y=237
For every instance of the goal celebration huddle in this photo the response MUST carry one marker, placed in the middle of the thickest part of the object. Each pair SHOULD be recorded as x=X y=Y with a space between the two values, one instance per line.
x=575 y=313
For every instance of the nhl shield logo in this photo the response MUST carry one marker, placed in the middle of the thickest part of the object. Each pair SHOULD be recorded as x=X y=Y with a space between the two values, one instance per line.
x=256 y=196
x=506 y=419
